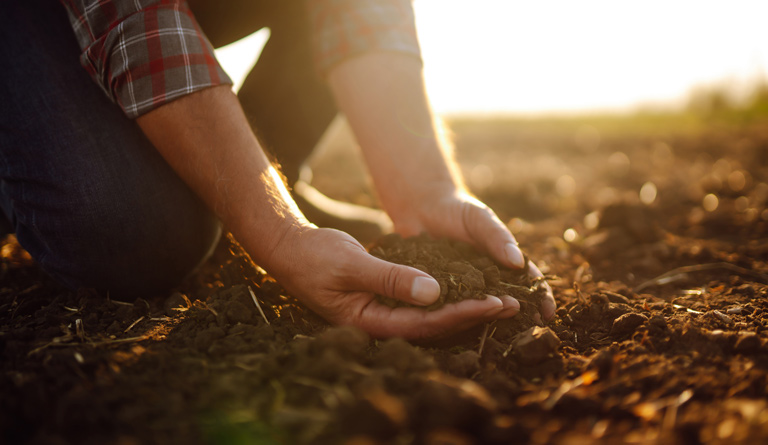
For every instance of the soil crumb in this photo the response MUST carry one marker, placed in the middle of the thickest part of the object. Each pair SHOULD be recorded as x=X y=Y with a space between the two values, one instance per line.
x=462 y=272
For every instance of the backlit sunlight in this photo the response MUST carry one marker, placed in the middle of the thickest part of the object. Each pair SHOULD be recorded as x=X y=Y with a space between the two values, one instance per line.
x=502 y=56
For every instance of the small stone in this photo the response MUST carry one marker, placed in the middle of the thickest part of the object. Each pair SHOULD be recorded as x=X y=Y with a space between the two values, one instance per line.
x=627 y=323
x=535 y=345
x=721 y=317
x=616 y=310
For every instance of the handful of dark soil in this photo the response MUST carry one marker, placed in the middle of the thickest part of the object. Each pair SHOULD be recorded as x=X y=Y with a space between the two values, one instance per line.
x=462 y=272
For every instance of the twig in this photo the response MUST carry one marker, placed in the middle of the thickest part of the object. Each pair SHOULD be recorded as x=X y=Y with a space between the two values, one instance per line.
x=88 y=343
x=122 y=303
x=133 y=324
x=584 y=379
x=482 y=339
x=120 y=340
x=258 y=306
x=80 y=329
x=204 y=305
x=661 y=279
x=525 y=289
x=670 y=416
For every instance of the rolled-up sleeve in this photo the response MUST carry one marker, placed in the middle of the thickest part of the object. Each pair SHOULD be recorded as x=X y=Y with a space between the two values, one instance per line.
x=345 y=28
x=143 y=53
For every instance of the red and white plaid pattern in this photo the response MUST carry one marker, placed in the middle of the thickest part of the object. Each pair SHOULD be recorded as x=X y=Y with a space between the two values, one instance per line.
x=145 y=53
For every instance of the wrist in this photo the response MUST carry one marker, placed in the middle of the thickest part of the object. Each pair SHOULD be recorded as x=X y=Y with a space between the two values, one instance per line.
x=272 y=249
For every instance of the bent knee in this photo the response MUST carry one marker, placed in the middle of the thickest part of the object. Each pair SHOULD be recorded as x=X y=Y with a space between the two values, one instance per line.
x=127 y=252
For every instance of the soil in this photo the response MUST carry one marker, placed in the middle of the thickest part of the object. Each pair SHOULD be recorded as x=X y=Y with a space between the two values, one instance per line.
x=660 y=333
x=461 y=271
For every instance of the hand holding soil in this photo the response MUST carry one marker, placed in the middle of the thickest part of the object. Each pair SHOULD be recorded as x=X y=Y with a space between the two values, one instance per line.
x=456 y=215
x=333 y=275
x=462 y=272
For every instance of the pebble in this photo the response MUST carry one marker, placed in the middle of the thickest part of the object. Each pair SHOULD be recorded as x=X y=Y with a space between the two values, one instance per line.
x=535 y=345
x=721 y=316
x=627 y=323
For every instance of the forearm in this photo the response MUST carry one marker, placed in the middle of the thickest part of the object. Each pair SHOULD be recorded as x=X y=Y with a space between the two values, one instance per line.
x=207 y=140
x=384 y=99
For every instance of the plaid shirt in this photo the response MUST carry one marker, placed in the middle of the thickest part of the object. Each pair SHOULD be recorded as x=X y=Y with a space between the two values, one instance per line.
x=146 y=53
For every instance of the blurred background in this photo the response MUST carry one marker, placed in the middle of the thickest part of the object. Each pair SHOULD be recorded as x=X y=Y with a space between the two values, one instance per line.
x=560 y=110
x=564 y=57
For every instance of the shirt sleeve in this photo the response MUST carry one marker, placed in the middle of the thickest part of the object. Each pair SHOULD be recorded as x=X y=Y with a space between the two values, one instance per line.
x=143 y=53
x=345 y=28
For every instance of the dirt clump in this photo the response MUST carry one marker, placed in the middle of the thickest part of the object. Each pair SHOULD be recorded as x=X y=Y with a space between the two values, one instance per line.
x=461 y=271
x=661 y=332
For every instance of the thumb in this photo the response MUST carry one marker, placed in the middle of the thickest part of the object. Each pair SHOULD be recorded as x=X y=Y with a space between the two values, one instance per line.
x=490 y=233
x=396 y=281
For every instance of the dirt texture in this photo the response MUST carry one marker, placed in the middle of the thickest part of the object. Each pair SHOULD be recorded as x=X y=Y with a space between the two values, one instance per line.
x=660 y=333
x=462 y=272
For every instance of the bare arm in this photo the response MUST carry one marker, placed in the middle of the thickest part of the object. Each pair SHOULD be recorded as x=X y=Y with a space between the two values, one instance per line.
x=207 y=140
x=417 y=180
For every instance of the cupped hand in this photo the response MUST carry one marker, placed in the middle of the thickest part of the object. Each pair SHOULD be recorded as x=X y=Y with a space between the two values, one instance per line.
x=332 y=274
x=456 y=214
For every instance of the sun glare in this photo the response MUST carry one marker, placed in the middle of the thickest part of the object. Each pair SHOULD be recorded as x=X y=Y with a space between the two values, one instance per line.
x=550 y=56
x=503 y=56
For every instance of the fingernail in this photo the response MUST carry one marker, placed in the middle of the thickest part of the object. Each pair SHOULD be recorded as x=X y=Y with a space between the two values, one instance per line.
x=496 y=309
x=512 y=303
x=425 y=290
x=514 y=255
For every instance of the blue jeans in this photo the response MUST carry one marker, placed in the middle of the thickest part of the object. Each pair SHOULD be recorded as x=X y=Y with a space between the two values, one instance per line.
x=87 y=195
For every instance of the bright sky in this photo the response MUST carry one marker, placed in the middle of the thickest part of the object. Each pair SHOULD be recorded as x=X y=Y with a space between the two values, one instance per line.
x=514 y=56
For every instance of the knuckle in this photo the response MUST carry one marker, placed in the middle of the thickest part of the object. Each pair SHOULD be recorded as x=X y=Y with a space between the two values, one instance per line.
x=390 y=279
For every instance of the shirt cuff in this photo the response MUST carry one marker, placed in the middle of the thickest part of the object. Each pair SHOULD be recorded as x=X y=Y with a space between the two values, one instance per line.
x=153 y=57
x=342 y=29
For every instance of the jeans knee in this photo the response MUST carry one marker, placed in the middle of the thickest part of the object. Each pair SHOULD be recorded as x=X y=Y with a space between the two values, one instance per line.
x=127 y=250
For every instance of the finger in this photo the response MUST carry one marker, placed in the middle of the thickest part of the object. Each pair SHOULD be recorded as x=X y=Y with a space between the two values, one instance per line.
x=547 y=305
x=370 y=274
x=511 y=307
x=413 y=323
x=485 y=229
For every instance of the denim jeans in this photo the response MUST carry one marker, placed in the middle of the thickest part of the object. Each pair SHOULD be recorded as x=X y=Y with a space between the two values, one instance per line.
x=87 y=195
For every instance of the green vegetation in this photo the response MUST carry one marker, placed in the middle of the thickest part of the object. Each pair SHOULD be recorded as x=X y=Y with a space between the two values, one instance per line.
x=706 y=107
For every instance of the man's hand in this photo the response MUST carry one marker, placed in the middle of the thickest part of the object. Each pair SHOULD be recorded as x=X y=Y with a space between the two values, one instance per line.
x=333 y=275
x=458 y=215
x=206 y=138
x=418 y=183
